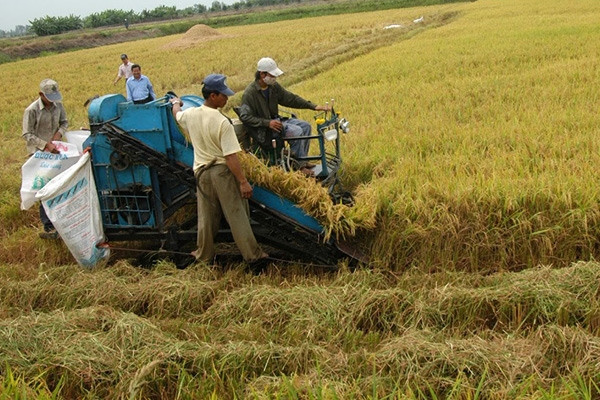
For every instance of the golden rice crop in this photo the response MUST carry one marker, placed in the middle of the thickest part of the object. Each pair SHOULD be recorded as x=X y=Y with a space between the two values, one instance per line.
x=85 y=73
x=479 y=137
x=472 y=134
x=473 y=144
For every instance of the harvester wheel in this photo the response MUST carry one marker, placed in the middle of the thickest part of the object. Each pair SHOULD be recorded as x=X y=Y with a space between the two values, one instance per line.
x=119 y=161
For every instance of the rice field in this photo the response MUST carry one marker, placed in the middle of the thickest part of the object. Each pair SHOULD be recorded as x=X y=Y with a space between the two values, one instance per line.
x=472 y=156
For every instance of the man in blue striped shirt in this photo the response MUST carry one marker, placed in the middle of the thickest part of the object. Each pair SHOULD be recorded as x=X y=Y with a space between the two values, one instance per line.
x=139 y=87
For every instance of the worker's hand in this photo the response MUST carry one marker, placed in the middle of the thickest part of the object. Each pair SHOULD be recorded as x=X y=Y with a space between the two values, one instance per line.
x=57 y=136
x=276 y=125
x=246 y=189
x=323 y=108
x=50 y=147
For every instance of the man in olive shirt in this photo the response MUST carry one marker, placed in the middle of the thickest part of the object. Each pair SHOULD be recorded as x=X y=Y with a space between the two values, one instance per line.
x=222 y=185
x=45 y=120
x=259 y=109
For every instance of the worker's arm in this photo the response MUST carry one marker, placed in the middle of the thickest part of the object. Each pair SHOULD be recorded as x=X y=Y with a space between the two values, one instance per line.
x=233 y=163
x=29 y=121
x=120 y=74
x=177 y=103
x=250 y=111
x=292 y=100
x=151 y=90
x=62 y=121
x=323 y=108
x=129 y=92
x=62 y=128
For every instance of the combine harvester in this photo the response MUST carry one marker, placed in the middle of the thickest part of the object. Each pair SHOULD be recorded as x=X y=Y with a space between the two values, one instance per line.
x=142 y=166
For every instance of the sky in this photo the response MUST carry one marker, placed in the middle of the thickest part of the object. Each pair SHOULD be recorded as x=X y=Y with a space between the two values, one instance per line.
x=20 y=12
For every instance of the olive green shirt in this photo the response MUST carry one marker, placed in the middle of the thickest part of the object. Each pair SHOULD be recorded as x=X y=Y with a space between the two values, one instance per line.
x=40 y=124
x=256 y=111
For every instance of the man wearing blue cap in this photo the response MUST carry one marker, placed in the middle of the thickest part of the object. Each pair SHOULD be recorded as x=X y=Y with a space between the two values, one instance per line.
x=45 y=120
x=222 y=186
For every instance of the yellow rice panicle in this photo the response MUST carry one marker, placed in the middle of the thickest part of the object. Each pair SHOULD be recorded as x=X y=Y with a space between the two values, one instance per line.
x=337 y=219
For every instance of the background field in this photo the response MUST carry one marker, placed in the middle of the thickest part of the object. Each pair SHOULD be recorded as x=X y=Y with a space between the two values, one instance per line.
x=474 y=141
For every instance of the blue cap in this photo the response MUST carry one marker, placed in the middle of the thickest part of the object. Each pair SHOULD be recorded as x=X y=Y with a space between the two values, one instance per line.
x=216 y=82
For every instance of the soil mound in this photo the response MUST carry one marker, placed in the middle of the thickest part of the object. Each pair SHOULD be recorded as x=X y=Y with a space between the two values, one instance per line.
x=59 y=43
x=196 y=34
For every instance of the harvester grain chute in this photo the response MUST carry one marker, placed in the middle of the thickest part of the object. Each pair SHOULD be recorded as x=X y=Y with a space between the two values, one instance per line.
x=142 y=166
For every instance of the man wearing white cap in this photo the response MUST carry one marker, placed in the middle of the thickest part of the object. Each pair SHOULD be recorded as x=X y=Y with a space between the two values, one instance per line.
x=222 y=185
x=45 y=120
x=259 y=109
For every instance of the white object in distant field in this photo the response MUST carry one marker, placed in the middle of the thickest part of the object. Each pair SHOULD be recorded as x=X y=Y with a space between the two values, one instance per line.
x=393 y=26
x=418 y=20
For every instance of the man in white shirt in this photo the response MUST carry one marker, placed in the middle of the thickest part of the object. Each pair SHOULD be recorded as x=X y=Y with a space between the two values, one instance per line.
x=124 y=69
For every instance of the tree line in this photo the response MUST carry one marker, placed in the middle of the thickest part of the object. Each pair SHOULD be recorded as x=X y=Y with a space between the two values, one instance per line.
x=54 y=25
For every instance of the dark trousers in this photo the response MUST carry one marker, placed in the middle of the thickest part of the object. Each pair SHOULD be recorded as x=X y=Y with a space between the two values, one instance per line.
x=144 y=101
x=45 y=220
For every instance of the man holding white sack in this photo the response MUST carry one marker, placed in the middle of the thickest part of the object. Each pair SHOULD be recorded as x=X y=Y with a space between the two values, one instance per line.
x=44 y=121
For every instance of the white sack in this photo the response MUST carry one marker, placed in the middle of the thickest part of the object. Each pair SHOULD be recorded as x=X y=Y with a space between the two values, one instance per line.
x=71 y=203
x=43 y=166
x=77 y=138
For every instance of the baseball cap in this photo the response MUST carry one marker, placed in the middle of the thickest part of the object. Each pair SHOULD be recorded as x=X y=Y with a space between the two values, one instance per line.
x=269 y=65
x=216 y=82
x=123 y=56
x=50 y=90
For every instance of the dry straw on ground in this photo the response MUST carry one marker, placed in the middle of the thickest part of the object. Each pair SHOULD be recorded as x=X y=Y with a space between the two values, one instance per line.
x=141 y=333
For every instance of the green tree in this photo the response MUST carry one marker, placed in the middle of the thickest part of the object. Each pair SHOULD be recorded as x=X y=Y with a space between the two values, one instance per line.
x=109 y=17
x=160 y=12
x=217 y=6
x=55 y=25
